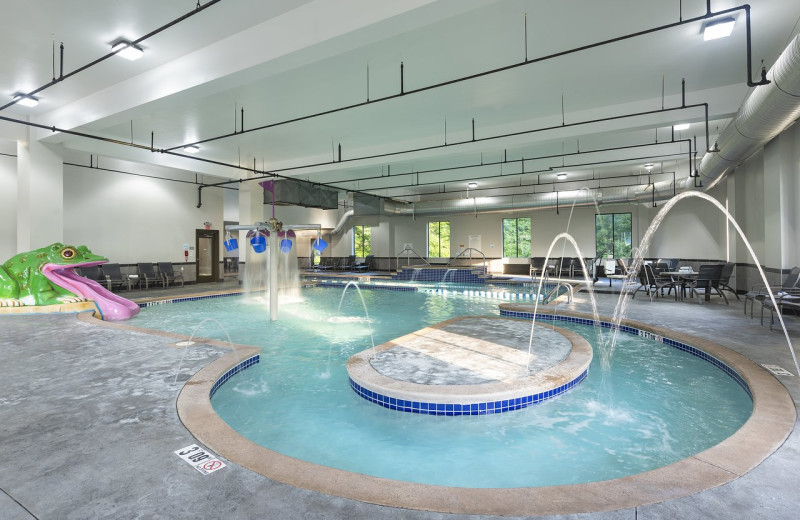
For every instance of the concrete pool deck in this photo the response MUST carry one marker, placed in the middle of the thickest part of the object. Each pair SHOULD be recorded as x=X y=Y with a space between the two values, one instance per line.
x=89 y=426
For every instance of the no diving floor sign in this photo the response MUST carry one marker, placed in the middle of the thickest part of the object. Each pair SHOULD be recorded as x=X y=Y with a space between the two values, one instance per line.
x=203 y=460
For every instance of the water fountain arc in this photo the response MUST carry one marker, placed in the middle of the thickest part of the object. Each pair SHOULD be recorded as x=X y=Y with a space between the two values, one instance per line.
x=644 y=244
x=568 y=237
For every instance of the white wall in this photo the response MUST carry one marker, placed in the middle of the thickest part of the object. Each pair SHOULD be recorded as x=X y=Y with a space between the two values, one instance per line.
x=133 y=219
x=8 y=200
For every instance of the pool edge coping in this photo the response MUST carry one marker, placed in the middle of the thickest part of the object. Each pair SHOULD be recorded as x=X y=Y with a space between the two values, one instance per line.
x=770 y=424
x=553 y=380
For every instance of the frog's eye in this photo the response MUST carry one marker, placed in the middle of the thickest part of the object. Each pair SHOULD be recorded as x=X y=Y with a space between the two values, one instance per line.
x=69 y=253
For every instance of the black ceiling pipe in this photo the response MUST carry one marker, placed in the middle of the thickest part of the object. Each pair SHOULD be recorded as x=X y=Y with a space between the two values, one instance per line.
x=112 y=53
x=520 y=160
x=709 y=14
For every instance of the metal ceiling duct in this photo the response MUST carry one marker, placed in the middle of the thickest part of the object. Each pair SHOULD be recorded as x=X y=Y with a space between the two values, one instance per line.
x=766 y=113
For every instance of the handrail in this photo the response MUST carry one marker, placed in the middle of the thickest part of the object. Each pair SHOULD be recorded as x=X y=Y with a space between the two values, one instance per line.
x=408 y=250
x=558 y=286
x=470 y=249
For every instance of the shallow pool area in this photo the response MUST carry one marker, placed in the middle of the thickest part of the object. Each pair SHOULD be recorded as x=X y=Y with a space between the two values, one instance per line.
x=656 y=405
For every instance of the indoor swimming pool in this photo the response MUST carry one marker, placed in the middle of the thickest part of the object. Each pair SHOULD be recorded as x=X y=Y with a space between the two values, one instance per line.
x=656 y=405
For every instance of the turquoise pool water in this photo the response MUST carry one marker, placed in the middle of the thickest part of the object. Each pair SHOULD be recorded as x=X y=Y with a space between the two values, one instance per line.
x=655 y=406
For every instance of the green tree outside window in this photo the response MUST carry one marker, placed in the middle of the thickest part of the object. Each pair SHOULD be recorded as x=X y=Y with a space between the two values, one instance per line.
x=613 y=235
x=516 y=237
x=362 y=236
x=438 y=239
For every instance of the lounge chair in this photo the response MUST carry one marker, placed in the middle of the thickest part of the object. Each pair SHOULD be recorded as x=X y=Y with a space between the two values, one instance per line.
x=366 y=265
x=325 y=263
x=147 y=274
x=169 y=274
x=785 y=300
x=92 y=272
x=114 y=277
x=347 y=263
x=760 y=292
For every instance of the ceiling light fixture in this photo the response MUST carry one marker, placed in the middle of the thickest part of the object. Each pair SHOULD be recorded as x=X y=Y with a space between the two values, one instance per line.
x=127 y=50
x=718 y=29
x=191 y=149
x=472 y=185
x=649 y=166
x=25 y=100
x=561 y=176
x=682 y=126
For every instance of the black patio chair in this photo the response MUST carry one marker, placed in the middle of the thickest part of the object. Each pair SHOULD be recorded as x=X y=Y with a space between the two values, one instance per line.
x=568 y=266
x=725 y=278
x=147 y=274
x=651 y=283
x=537 y=265
x=115 y=278
x=760 y=292
x=708 y=276
x=169 y=274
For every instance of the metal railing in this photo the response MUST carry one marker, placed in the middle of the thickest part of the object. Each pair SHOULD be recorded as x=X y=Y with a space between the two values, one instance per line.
x=470 y=250
x=408 y=251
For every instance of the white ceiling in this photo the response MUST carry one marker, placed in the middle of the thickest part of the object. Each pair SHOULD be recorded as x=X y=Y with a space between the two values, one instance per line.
x=287 y=59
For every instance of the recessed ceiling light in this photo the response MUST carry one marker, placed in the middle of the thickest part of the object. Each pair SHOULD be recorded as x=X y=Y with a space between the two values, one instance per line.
x=561 y=176
x=191 y=149
x=472 y=185
x=718 y=29
x=127 y=50
x=25 y=100
x=682 y=126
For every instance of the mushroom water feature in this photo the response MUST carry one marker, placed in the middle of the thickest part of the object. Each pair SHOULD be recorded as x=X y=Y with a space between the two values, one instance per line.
x=273 y=237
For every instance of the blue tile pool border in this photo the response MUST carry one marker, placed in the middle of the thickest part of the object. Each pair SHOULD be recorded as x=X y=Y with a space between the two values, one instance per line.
x=454 y=409
x=733 y=374
x=243 y=365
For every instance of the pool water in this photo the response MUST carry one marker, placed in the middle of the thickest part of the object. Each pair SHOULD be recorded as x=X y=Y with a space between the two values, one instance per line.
x=656 y=405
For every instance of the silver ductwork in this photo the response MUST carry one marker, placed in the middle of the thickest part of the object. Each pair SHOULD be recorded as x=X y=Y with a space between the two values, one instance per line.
x=766 y=113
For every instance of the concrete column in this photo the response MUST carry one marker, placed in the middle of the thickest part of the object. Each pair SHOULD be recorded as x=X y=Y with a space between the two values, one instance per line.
x=251 y=209
x=790 y=194
x=780 y=186
x=40 y=194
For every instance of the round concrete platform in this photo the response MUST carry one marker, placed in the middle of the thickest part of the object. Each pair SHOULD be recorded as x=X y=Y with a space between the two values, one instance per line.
x=471 y=366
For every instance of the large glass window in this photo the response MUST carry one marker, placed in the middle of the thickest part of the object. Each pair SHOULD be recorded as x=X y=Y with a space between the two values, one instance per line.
x=613 y=235
x=361 y=240
x=438 y=239
x=516 y=237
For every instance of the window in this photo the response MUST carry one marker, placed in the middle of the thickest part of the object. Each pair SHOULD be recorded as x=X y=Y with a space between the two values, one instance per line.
x=438 y=239
x=613 y=235
x=516 y=237
x=361 y=241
